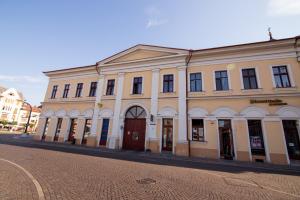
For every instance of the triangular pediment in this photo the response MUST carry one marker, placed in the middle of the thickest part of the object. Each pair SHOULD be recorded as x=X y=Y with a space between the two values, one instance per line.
x=142 y=52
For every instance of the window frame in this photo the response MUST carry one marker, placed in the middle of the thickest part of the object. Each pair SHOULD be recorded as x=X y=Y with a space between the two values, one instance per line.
x=93 y=89
x=110 y=87
x=228 y=80
x=191 y=129
x=79 y=90
x=54 y=91
x=66 y=90
x=163 y=83
x=256 y=78
x=133 y=85
x=201 y=79
x=288 y=73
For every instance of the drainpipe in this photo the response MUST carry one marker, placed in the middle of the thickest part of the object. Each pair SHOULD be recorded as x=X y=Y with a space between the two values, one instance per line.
x=187 y=61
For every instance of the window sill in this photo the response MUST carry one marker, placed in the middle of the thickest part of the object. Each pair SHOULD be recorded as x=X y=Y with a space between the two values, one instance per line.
x=137 y=94
x=251 y=90
x=197 y=142
x=286 y=89
x=167 y=93
x=197 y=93
x=222 y=91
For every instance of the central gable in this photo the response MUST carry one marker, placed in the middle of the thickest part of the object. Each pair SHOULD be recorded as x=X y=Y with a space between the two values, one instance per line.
x=142 y=52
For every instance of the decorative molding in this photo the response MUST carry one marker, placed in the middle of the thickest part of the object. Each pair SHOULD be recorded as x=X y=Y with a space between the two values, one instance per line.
x=197 y=112
x=224 y=112
x=288 y=112
x=106 y=113
x=60 y=113
x=254 y=112
x=73 y=113
x=167 y=112
x=88 y=113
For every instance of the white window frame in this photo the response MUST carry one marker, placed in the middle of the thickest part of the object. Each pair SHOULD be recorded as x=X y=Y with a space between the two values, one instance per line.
x=189 y=81
x=228 y=78
x=257 y=78
x=162 y=83
x=132 y=82
x=289 y=69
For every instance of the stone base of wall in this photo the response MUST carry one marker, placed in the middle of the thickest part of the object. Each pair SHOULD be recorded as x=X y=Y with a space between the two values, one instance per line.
x=91 y=141
x=78 y=141
x=154 y=146
x=258 y=157
x=243 y=156
x=37 y=137
x=204 y=153
x=49 y=138
x=61 y=139
x=279 y=159
x=182 y=149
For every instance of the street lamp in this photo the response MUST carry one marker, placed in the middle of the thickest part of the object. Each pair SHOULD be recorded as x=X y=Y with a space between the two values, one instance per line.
x=28 y=121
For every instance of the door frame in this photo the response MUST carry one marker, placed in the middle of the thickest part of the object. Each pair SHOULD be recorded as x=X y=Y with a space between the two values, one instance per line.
x=233 y=137
x=161 y=133
x=123 y=138
x=283 y=135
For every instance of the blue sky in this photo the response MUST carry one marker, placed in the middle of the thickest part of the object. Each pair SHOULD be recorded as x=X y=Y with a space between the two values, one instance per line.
x=37 y=36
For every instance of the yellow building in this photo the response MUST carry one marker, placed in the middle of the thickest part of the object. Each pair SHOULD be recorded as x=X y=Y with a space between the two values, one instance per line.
x=236 y=102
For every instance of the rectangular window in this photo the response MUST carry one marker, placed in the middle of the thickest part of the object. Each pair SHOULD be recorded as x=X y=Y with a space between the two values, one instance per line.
x=93 y=89
x=54 y=90
x=221 y=80
x=104 y=131
x=45 y=131
x=249 y=78
x=197 y=130
x=168 y=83
x=58 y=128
x=281 y=76
x=256 y=137
x=137 y=85
x=79 y=89
x=66 y=91
x=195 y=82
x=110 y=87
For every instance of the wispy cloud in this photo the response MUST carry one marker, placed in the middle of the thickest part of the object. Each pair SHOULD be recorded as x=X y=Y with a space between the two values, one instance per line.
x=155 y=17
x=283 y=7
x=25 y=79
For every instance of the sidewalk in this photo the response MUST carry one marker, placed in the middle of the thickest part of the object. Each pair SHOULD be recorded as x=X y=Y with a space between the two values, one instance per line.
x=148 y=157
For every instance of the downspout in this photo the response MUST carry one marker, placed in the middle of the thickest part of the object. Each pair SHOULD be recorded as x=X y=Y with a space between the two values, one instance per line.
x=187 y=61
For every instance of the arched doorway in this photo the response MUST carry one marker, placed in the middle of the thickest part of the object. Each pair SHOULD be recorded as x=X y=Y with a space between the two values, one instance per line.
x=135 y=129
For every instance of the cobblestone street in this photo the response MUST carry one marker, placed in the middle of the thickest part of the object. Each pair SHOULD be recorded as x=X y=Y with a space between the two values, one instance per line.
x=64 y=175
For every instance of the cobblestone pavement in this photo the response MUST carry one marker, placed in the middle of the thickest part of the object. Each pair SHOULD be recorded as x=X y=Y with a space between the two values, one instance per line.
x=65 y=175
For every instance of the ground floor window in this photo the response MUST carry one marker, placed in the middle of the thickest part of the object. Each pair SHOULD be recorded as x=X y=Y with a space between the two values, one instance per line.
x=58 y=128
x=256 y=137
x=87 y=130
x=104 y=131
x=198 y=130
x=167 y=135
x=46 y=128
x=226 y=139
x=73 y=128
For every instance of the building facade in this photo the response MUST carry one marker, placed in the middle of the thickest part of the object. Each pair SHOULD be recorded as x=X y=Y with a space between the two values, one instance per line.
x=11 y=102
x=238 y=102
x=24 y=115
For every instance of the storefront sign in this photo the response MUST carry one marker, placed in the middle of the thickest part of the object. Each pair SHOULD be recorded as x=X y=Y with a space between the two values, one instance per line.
x=271 y=102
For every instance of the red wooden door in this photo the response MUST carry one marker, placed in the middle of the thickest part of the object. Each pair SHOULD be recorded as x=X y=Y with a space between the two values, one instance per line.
x=134 y=134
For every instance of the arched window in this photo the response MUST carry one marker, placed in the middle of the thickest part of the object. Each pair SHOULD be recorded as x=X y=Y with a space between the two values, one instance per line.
x=135 y=112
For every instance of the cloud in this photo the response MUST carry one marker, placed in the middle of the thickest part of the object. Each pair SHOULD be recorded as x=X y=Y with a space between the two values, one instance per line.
x=283 y=7
x=154 y=17
x=25 y=78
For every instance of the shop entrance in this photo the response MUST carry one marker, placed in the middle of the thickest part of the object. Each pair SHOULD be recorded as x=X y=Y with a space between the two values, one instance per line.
x=226 y=139
x=292 y=138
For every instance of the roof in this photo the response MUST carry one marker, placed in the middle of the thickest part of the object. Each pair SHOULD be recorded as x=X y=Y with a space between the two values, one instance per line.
x=34 y=108
x=70 y=68
x=2 y=89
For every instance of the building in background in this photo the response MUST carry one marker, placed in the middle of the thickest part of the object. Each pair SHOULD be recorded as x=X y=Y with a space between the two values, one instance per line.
x=23 y=118
x=11 y=102
x=238 y=102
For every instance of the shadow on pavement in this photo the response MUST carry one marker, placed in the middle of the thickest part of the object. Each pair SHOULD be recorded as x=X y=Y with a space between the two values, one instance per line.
x=144 y=157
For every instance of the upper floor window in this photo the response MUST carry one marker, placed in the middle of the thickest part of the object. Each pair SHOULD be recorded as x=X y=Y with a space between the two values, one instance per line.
x=281 y=76
x=195 y=82
x=79 y=89
x=110 y=87
x=221 y=80
x=249 y=78
x=168 y=84
x=137 y=85
x=93 y=89
x=66 y=90
x=54 y=90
